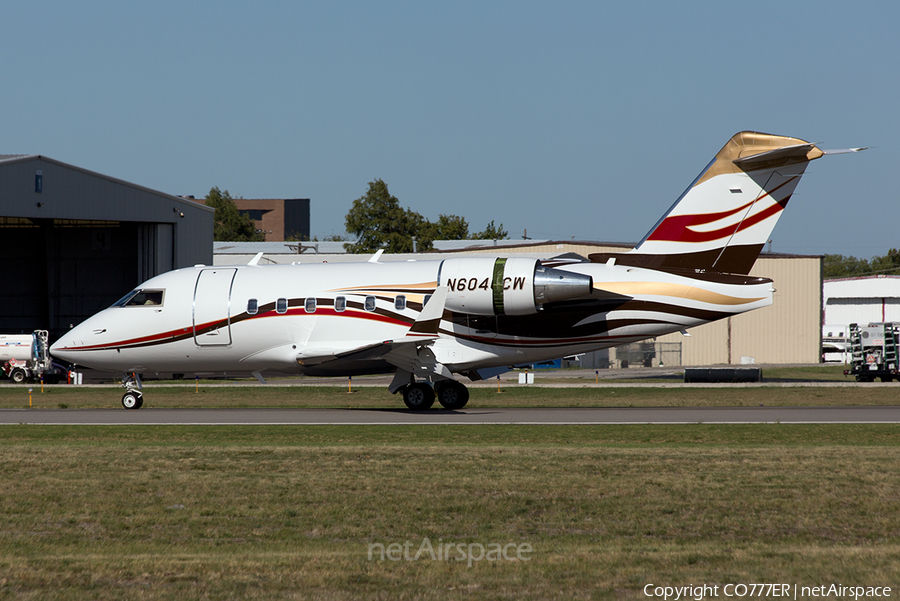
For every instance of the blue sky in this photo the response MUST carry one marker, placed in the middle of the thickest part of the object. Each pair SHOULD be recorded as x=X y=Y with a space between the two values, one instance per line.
x=570 y=119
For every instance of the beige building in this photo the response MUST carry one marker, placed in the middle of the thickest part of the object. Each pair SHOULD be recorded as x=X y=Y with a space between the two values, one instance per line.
x=788 y=331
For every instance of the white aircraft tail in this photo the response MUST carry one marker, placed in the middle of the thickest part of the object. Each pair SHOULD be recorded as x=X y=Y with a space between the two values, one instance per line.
x=725 y=217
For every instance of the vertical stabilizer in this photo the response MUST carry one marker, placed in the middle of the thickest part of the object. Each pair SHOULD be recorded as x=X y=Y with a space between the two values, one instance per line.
x=725 y=217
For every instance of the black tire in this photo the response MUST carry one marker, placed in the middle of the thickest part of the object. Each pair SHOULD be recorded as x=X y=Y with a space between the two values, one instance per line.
x=132 y=400
x=18 y=376
x=51 y=379
x=418 y=397
x=453 y=395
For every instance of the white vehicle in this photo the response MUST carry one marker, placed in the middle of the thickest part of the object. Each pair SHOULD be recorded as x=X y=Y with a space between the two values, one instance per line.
x=429 y=320
x=33 y=365
x=15 y=346
x=873 y=351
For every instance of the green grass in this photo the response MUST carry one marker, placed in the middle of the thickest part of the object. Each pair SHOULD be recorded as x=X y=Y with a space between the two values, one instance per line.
x=830 y=372
x=73 y=397
x=807 y=373
x=258 y=512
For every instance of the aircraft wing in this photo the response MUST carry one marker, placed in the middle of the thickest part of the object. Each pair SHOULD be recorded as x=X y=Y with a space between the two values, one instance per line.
x=321 y=354
x=423 y=332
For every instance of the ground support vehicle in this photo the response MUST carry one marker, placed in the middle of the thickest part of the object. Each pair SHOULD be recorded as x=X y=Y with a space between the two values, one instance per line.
x=36 y=367
x=873 y=352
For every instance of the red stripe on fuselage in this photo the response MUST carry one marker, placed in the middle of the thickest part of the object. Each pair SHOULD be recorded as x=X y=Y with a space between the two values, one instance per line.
x=183 y=333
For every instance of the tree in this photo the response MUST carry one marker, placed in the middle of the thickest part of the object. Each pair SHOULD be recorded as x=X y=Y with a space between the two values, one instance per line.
x=839 y=266
x=491 y=232
x=448 y=227
x=888 y=264
x=378 y=221
x=230 y=224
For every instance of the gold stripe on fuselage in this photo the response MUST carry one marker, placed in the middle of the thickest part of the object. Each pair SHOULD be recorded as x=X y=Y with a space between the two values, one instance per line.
x=673 y=290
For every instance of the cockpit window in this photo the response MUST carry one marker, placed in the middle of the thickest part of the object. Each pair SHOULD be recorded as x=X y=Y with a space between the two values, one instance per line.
x=121 y=302
x=141 y=298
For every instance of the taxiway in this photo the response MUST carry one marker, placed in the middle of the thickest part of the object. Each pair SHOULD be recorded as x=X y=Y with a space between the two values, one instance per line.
x=643 y=415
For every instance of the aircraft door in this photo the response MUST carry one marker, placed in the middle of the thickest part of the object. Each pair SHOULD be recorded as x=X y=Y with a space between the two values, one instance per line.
x=212 y=307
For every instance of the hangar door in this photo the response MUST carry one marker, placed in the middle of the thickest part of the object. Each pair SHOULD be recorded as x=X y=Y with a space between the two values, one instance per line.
x=212 y=307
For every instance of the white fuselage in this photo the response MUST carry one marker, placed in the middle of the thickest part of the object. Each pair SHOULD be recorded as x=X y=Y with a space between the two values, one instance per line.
x=303 y=318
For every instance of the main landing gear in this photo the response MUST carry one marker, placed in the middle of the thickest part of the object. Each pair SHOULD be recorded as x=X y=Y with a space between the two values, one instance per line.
x=419 y=396
x=451 y=394
x=133 y=397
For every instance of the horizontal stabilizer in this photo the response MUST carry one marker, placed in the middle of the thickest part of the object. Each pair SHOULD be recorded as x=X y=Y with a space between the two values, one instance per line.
x=799 y=153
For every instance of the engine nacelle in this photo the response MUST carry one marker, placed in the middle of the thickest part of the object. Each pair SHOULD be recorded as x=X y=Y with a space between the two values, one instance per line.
x=507 y=286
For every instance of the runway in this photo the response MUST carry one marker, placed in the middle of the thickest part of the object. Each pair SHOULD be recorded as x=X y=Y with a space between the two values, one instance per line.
x=586 y=416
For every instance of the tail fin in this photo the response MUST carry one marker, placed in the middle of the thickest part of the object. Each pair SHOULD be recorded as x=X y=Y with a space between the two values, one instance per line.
x=725 y=217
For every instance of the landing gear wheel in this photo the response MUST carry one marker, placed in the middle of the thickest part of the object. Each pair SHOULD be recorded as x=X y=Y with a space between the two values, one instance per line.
x=453 y=395
x=18 y=376
x=133 y=397
x=132 y=400
x=418 y=397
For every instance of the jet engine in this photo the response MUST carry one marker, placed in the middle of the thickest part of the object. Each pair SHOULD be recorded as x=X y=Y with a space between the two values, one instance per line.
x=507 y=286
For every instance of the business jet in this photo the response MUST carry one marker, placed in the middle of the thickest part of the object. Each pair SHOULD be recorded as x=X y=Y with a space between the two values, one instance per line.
x=427 y=321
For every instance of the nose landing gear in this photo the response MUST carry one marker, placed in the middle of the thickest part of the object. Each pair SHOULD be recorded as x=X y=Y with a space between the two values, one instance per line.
x=133 y=397
x=132 y=400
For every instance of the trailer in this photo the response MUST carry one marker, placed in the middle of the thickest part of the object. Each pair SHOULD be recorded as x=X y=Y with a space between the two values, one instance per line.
x=873 y=352
x=15 y=346
x=34 y=366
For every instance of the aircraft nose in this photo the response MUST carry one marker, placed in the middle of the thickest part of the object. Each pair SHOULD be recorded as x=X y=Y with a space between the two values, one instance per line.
x=67 y=344
x=59 y=350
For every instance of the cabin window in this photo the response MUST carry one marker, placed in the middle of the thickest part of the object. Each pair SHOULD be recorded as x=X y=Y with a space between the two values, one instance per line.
x=370 y=303
x=340 y=304
x=281 y=305
x=310 y=305
x=252 y=306
x=139 y=298
x=427 y=298
x=400 y=303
